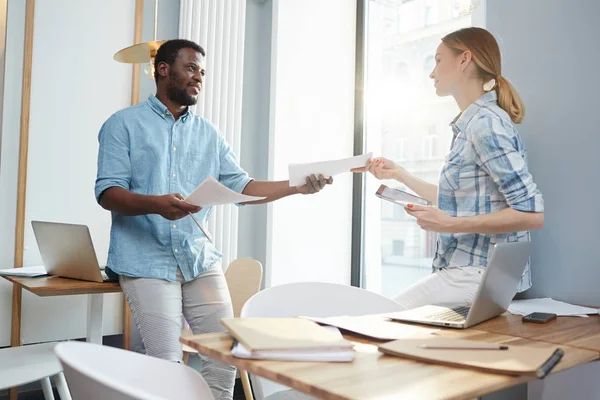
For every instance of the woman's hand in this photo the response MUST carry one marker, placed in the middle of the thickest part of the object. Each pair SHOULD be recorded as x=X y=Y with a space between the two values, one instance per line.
x=431 y=218
x=382 y=168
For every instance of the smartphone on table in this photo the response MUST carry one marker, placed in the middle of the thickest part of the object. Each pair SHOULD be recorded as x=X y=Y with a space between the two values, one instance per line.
x=539 y=317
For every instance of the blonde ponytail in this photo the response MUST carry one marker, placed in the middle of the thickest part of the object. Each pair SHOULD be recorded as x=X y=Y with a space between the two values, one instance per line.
x=486 y=56
x=509 y=100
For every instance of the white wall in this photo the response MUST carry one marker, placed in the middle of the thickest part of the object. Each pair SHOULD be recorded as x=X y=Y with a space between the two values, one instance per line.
x=312 y=118
x=255 y=124
x=167 y=28
x=551 y=54
x=76 y=85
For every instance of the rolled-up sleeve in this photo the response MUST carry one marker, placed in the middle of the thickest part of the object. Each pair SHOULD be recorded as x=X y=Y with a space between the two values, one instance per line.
x=230 y=172
x=114 y=165
x=498 y=155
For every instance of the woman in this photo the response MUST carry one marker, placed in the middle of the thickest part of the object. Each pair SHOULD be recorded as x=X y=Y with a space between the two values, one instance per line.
x=485 y=193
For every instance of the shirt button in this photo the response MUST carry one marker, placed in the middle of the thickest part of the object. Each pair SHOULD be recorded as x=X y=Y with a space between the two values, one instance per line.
x=176 y=250
x=174 y=148
x=174 y=226
x=173 y=175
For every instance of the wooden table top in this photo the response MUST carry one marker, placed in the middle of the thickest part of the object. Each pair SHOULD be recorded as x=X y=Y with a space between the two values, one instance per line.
x=374 y=375
x=572 y=331
x=57 y=286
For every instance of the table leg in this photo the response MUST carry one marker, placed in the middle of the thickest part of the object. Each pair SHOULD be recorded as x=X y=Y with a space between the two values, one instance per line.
x=15 y=338
x=126 y=325
x=94 y=318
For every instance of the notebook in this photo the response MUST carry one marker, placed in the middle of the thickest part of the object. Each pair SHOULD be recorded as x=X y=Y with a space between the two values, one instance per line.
x=292 y=339
x=26 y=272
x=515 y=360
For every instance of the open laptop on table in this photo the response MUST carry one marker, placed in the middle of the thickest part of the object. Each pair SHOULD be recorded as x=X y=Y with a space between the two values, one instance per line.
x=67 y=250
x=496 y=290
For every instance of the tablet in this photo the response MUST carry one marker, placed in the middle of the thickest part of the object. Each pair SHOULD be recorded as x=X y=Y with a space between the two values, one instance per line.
x=400 y=197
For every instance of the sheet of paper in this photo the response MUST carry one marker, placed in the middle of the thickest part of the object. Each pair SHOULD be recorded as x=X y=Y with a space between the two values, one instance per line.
x=299 y=172
x=28 y=272
x=375 y=326
x=212 y=193
x=340 y=356
x=548 y=305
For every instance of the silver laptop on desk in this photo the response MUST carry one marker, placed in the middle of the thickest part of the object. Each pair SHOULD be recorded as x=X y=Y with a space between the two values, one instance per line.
x=67 y=251
x=496 y=290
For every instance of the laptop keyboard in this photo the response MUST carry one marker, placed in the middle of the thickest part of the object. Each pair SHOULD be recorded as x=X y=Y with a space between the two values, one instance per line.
x=457 y=314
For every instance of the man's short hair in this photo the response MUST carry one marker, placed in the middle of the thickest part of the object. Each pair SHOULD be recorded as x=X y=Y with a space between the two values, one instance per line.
x=170 y=49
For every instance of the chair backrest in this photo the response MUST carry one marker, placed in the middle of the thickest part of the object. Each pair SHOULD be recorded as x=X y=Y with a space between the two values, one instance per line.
x=23 y=364
x=100 y=372
x=244 y=277
x=315 y=299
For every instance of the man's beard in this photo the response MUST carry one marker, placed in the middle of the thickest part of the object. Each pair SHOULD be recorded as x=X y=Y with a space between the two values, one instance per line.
x=177 y=95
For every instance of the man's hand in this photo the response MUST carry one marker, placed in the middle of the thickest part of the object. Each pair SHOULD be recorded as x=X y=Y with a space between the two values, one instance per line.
x=172 y=207
x=381 y=168
x=314 y=184
x=431 y=218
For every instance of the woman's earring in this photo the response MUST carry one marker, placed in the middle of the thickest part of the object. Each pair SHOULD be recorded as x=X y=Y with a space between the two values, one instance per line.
x=490 y=85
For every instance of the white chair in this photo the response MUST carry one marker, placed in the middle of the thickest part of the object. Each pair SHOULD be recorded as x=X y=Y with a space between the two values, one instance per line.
x=37 y=362
x=315 y=299
x=97 y=372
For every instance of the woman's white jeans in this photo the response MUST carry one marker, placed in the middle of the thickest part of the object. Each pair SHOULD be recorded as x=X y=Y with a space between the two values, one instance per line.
x=157 y=307
x=452 y=286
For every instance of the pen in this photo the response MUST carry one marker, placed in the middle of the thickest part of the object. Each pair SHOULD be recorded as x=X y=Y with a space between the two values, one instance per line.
x=552 y=361
x=465 y=347
x=200 y=226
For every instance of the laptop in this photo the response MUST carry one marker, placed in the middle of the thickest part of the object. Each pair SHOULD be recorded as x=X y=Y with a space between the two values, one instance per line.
x=67 y=250
x=496 y=290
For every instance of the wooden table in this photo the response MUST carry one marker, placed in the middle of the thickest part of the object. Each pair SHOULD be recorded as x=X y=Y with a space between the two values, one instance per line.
x=578 y=332
x=376 y=376
x=56 y=286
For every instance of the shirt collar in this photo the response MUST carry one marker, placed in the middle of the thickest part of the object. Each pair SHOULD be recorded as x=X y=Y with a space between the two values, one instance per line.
x=459 y=123
x=162 y=110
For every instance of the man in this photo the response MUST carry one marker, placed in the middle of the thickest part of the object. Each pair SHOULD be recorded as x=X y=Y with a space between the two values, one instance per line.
x=149 y=155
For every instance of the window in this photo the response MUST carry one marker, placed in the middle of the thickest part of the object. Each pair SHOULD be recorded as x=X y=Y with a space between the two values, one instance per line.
x=399 y=212
x=400 y=150
x=431 y=12
x=396 y=251
x=398 y=247
x=429 y=147
x=428 y=65
x=402 y=71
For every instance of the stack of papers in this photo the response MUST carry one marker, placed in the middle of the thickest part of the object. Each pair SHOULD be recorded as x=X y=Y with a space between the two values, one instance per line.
x=289 y=339
x=548 y=305
x=27 y=272
x=212 y=193
x=375 y=326
x=299 y=172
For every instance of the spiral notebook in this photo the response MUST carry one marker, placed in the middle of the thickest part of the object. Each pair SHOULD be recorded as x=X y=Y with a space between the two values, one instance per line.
x=510 y=360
